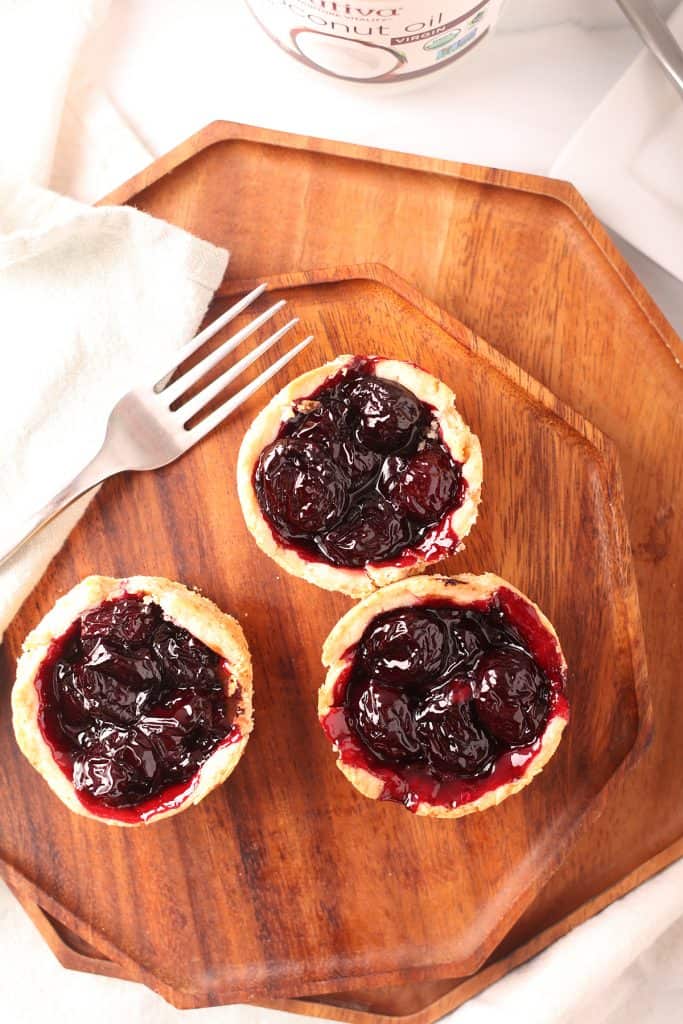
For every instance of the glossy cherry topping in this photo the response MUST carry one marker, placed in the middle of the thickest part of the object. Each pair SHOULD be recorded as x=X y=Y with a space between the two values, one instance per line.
x=406 y=648
x=304 y=490
x=132 y=704
x=511 y=696
x=444 y=702
x=422 y=486
x=453 y=742
x=359 y=474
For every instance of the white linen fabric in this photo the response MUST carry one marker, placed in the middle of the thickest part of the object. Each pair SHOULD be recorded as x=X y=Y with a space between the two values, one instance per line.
x=627 y=159
x=625 y=964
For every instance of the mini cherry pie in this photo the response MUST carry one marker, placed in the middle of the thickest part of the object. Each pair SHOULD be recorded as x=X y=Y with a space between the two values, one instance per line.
x=445 y=695
x=133 y=698
x=359 y=473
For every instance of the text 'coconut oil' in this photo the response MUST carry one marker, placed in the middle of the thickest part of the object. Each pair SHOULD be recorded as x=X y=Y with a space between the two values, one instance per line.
x=376 y=43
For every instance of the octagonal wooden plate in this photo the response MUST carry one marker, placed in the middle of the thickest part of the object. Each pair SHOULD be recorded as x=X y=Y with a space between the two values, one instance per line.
x=286 y=880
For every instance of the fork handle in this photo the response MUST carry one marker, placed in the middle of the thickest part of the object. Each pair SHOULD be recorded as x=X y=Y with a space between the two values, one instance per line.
x=97 y=470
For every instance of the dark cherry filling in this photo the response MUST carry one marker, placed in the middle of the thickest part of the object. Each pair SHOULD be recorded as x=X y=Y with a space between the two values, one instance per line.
x=132 y=705
x=302 y=487
x=359 y=474
x=444 y=703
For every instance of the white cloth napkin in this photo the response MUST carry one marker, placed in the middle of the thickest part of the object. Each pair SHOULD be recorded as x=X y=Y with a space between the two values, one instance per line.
x=659 y=165
x=600 y=973
x=627 y=159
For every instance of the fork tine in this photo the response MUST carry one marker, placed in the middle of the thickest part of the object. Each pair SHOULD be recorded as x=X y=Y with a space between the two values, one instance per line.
x=191 y=376
x=216 y=417
x=201 y=400
x=186 y=350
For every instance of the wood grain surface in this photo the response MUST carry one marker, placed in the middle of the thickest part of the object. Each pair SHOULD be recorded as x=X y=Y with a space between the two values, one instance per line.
x=286 y=880
x=407 y=1004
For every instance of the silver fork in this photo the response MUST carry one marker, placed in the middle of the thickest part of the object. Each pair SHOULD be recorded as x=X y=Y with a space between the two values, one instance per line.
x=144 y=432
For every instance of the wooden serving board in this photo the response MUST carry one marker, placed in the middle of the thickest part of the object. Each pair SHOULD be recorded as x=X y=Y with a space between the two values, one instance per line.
x=523 y=261
x=286 y=880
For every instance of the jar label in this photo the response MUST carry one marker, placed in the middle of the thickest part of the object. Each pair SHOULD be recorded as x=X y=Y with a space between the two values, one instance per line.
x=376 y=43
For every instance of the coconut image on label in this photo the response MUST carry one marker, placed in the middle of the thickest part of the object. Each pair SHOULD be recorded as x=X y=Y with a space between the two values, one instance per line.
x=346 y=58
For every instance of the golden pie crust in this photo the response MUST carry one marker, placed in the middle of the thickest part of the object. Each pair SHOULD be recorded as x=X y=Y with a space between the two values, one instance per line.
x=457 y=437
x=461 y=590
x=186 y=608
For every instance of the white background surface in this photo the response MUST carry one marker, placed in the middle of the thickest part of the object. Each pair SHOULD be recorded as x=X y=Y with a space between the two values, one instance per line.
x=171 y=66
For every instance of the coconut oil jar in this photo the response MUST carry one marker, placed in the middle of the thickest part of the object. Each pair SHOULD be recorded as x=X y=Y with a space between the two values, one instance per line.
x=377 y=42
